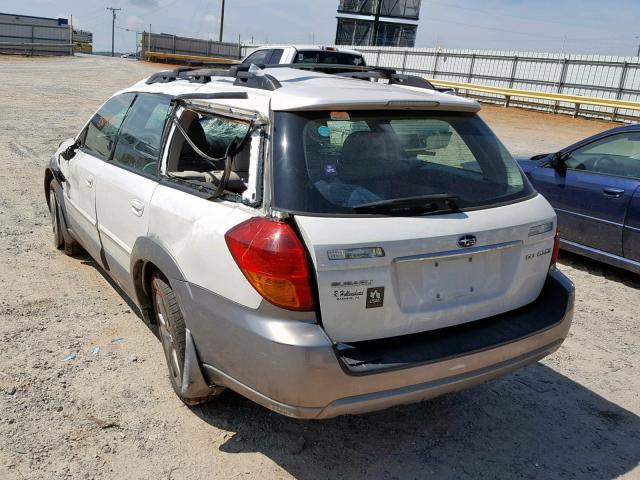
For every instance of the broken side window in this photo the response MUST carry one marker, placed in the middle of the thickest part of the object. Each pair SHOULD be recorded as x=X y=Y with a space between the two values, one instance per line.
x=199 y=149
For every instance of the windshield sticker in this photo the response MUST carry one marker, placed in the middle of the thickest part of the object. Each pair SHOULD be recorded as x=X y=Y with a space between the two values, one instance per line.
x=340 y=116
x=324 y=131
x=375 y=297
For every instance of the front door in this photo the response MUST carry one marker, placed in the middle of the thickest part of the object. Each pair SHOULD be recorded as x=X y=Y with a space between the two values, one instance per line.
x=127 y=182
x=82 y=171
x=592 y=196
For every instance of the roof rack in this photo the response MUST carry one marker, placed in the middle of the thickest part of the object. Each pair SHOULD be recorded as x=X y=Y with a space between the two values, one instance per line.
x=167 y=76
x=390 y=74
x=245 y=77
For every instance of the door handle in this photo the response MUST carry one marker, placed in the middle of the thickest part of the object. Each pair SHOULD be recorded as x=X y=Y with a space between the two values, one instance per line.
x=612 y=192
x=137 y=207
x=88 y=181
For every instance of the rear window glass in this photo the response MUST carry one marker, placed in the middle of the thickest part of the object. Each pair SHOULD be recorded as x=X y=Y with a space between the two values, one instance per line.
x=336 y=162
x=323 y=56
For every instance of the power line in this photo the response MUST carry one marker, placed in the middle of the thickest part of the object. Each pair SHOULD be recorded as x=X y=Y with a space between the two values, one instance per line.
x=113 y=25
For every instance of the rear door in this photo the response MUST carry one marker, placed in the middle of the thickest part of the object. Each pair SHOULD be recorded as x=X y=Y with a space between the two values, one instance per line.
x=592 y=197
x=383 y=271
x=128 y=180
x=82 y=171
x=384 y=277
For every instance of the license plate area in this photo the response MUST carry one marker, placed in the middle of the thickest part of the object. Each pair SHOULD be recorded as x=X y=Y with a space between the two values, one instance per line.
x=435 y=282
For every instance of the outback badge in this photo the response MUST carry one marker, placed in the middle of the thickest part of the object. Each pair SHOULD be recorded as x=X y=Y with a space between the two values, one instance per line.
x=375 y=297
x=467 y=241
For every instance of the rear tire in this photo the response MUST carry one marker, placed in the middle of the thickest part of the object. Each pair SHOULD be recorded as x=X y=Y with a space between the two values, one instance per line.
x=172 y=333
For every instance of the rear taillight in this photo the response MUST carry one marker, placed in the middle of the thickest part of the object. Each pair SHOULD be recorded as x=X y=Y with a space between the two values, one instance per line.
x=556 y=248
x=271 y=256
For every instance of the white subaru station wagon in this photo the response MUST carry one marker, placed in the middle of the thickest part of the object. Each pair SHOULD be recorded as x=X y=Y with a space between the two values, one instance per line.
x=320 y=244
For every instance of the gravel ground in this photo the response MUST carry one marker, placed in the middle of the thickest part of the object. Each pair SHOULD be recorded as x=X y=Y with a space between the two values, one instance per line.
x=83 y=390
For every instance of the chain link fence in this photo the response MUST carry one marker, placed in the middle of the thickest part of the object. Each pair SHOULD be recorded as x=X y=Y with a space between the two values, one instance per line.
x=601 y=76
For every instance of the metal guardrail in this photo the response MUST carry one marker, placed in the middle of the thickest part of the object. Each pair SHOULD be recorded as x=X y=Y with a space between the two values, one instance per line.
x=508 y=93
x=180 y=58
x=596 y=76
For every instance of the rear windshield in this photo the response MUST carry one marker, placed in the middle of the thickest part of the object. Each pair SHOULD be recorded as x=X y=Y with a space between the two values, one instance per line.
x=323 y=56
x=338 y=162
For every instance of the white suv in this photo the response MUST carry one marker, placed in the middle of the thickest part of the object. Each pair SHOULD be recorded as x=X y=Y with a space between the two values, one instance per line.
x=319 y=244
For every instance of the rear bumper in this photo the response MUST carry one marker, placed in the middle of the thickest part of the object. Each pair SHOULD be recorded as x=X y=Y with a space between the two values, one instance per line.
x=291 y=367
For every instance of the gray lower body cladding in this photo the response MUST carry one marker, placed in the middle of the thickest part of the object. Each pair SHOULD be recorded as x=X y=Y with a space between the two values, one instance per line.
x=290 y=366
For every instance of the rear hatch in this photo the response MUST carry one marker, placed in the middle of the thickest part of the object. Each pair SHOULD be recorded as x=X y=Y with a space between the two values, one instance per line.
x=385 y=277
x=414 y=220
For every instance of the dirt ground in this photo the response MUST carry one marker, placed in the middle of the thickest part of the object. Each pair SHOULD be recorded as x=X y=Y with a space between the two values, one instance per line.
x=109 y=412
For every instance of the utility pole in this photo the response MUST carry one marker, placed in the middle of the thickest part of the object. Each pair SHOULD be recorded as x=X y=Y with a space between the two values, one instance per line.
x=221 y=20
x=638 y=54
x=113 y=25
x=71 y=35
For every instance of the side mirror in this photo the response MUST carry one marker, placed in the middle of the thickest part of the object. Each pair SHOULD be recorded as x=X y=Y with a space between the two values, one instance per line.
x=70 y=152
x=557 y=162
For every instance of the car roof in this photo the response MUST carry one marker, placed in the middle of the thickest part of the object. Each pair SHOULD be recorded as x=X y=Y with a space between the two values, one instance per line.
x=308 y=47
x=311 y=90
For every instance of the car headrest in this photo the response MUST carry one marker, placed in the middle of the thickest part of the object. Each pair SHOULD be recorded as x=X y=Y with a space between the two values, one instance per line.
x=369 y=155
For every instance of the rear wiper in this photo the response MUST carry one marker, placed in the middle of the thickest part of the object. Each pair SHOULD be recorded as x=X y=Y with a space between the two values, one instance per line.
x=420 y=205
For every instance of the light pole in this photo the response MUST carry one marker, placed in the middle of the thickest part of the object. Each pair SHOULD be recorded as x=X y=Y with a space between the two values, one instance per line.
x=113 y=25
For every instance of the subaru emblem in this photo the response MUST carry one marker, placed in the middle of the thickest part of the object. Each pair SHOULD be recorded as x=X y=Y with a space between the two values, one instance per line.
x=467 y=241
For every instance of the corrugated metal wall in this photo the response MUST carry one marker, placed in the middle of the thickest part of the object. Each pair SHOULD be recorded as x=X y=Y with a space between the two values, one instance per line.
x=600 y=76
x=34 y=39
x=189 y=46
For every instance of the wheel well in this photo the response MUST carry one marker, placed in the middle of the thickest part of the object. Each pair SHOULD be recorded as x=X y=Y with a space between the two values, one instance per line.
x=142 y=272
x=48 y=176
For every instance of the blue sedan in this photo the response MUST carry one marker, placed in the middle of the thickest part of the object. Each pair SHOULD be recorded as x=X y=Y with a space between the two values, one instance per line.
x=594 y=186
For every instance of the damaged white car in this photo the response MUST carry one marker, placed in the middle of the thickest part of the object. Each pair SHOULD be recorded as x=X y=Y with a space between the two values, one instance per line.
x=322 y=245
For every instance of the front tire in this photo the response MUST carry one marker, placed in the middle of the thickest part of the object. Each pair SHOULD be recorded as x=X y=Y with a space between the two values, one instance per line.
x=71 y=247
x=58 y=239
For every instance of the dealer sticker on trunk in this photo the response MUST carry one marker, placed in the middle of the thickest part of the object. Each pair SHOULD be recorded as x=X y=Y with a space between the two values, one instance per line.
x=375 y=297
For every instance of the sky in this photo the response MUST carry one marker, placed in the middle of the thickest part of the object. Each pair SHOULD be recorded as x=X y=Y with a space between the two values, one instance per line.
x=567 y=26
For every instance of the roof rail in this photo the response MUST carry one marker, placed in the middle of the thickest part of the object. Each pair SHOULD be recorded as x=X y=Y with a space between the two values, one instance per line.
x=263 y=81
x=390 y=75
x=411 y=81
x=166 y=76
x=212 y=96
